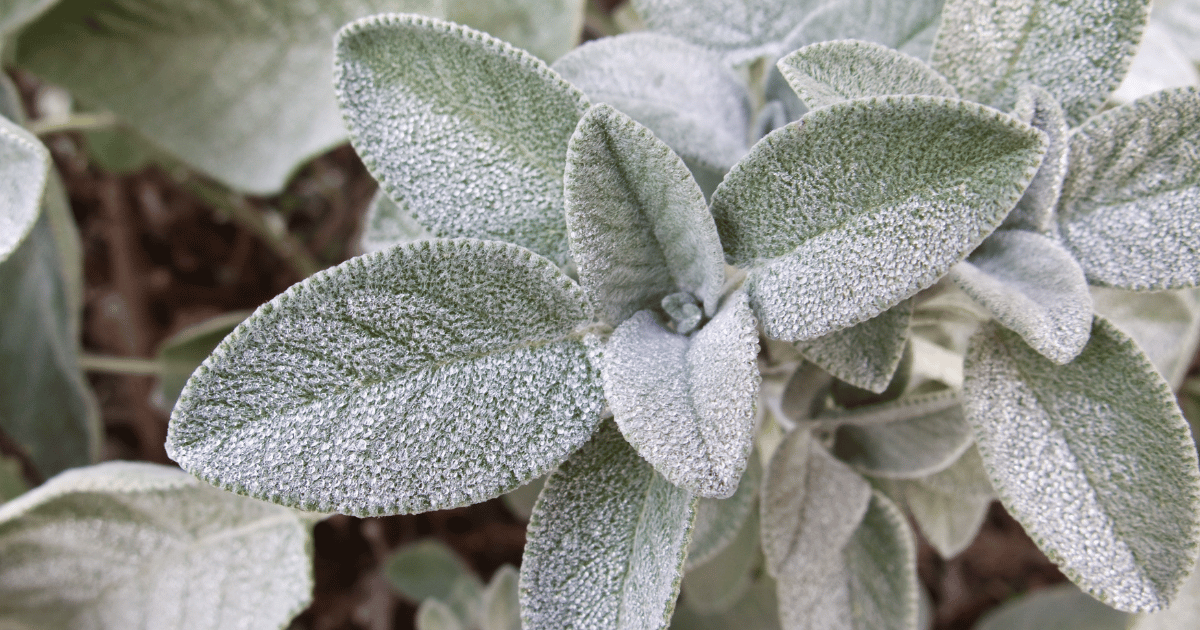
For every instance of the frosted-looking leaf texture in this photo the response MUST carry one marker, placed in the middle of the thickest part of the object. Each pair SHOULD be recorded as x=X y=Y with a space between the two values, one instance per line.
x=1035 y=210
x=831 y=72
x=811 y=503
x=719 y=520
x=905 y=438
x=388 y=224
x=1093 y=458
x=481 y=144
x=1078 y=51
x=859 y=205
x=134 y=545
x=607 y=542
x=905 y=25
x=865 y=355
x=546 y=28
x=1130 y=206
x=950 y=506
x=239 y=89
x=24 y=167
x=638 y=223
x=872 y=585
x=1033 y=286
x=681 y=91
x=687 y=403
x=737 y=29
x=431 y=375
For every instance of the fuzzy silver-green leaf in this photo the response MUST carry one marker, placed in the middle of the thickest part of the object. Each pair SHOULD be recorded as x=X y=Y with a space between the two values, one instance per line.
x=950 y=506
x=480 y=148
x=607 y=542
x=861 y=204
x=1076 y=51
x=431 y=375
x=1130 y=206
x=428 y=568
x=180 y=354
x=831 y=72
x=639 y=226
x=681 y=91
x=687 y=403
x=904 y=25
x=1033 y=286
x=1093 y=458
x=867 y=354
x=1035 y=211
x=134 y=545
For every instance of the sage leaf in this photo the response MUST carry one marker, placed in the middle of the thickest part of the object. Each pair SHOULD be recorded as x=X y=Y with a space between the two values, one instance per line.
x=716 y=585
x=1076 y=51
x=831 y=72
x=607 y=542
x=240 y=92
x=740 y=31
x=1035 y=211
x=758 y=608
x=134 y=545
x=1129 y=208
x=687 y=403
x=865 y=355
x=718 y=521
x=1093 y=458
x=811 y=504
x=481 y=148
x=425 y=569
x=46 y=404
x=1062 y=606
x=1163 y=323
x=861 y=204
x=909 y=437
x=546 y=29
x=904 y=26
x=24 y=167
x=1033 y=286
x=950 y=506
x=681 y=91
x=500 y=608
x=872 y=585
x=184 y=351
x=431 y=375
x=639 y=227
x=388 y=224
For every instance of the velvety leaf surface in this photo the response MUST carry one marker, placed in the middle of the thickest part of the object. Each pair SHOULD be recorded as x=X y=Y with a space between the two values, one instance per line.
x=737 y=29
x=639 y=227
x=1077 y=51
x=907 y=26
x=1093 y=458
x=239 y=90
x=1163 y=323
x=909 y=437
x=1062 y=606
x=861 y=204
x=24 y=167
x=865 y=355
x=425 y=569
x=681 y=91
x=546 y=29
x=1035 y=211
x=718 y=521
x=1130 y=206
x=950 y=506
x=811 y=504
x=607 y=542
x=1029 y=283
x=831 y=72
x=432 y=375
x=46 y=404
x=134 y=545
x=387 y=224
x=715 y=585
x=687 y=403
x=481 y=146
x=872 y=585
x=184 y=351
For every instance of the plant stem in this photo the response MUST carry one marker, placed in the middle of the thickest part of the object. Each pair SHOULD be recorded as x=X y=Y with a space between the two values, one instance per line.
x=75 y=122
x=119 y=365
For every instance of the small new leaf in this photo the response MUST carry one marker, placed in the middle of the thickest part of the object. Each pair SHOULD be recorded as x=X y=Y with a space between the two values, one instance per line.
x=638 y=224
x=607 y=542
x=864 y=355
x=687 y=403
x=861 y=204
x=831 y=72
x=1093 y=458
x=1130 y=206
x=431 y=375
x=1029 y=283
x=481 y=147
x=133 y=545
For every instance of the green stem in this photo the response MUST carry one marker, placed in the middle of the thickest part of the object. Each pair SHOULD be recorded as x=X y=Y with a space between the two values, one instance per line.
x=75 y=122
x=119 y=365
